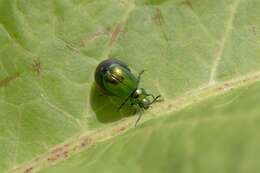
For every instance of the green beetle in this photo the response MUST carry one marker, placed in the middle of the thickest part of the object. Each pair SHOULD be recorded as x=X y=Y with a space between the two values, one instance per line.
x=115 y=78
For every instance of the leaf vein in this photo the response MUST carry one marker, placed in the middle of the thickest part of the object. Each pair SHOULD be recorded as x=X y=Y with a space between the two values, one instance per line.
x=223 y=41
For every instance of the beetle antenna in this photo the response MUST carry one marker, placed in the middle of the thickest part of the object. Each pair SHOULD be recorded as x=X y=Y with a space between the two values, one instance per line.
x=156 y=99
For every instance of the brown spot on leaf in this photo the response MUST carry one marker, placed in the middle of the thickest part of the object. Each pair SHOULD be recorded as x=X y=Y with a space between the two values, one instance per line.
x=226 y=85
x=115 y=34
x=48 y=159
x=159 y=20
x=121 y=129
x=36 y=66
x=58 y=153
x=85 y=142
x=74 y=149
x=254 y=30
x=4 y=82
x=96 y=35
x=66 y=145
x=187 y=3
x=56 y=150
x=220 y=88
x=28 y=170
x=158 y=17
x=37 y=159
x=65 y=154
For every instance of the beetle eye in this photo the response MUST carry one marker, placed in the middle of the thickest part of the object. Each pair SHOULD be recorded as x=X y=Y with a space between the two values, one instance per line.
x=136 y=95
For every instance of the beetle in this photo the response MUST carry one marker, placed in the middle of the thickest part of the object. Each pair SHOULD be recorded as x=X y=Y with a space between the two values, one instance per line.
x=115 y=78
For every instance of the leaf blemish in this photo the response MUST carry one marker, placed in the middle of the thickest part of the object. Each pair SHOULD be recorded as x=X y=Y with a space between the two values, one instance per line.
x=159 y=20
x=36 y=66
x=254 y=30
x=115 y=34
x=158 y=17
x=187 y=3
x=28 y=170
x=85 y=142
x=220 y=88
x=121 y=129
x=226 y=85
x=60 y=152
x=7 y=80
x=65 y=154
x=94 y=36
x=66 y=150
x=36 y=159
x=66 y=145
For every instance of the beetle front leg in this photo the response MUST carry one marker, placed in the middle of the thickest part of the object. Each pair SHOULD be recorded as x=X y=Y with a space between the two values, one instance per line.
x=139 y=116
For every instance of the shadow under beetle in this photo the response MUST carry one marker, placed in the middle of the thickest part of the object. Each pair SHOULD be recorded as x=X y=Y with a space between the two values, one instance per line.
x=115 y=78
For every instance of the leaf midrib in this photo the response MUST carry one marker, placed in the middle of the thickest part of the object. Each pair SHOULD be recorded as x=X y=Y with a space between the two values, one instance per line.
x=90 y=138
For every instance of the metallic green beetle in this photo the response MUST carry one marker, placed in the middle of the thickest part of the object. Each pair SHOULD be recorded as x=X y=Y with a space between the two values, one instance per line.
x=115 y=78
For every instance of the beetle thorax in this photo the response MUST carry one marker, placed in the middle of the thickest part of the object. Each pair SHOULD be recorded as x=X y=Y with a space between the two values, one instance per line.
x=140 y=97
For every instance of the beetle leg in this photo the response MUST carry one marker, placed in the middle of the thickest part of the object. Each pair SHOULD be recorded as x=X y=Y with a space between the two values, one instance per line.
x=151 y=95
x=139 y=116
x=139 y=75
x=135 y=109
x=120 y=107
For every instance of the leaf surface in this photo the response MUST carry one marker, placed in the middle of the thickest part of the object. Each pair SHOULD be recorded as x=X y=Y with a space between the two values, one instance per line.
x=202 y=56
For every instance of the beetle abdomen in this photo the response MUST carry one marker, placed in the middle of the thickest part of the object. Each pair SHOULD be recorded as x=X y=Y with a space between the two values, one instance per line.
x=103 y=68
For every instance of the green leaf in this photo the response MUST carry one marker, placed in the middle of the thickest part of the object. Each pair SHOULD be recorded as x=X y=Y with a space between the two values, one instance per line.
x=202 y=56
